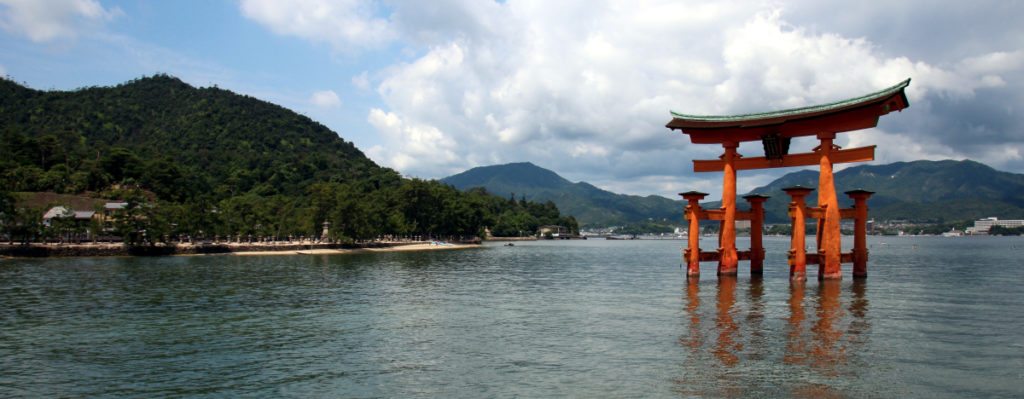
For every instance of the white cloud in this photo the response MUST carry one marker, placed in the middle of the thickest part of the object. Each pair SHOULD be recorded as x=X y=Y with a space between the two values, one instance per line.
x=773 y=65
x=44 y=21
x=590 y=87
x=995 y=62
x=344 y=24
x=325 y=99
x=415 y=142
x=585 y=88
x=361 y=81
x=894 y=147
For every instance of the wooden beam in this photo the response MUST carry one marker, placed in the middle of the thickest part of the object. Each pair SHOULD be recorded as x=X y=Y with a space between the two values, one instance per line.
x=815 y=259
x=817 y=213
x=740 y=215
x=708 y=256
x=718 y=214
x=859 y=154
x=714 y=256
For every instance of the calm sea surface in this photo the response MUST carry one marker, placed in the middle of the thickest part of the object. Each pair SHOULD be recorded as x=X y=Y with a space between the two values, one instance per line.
x=937 y=317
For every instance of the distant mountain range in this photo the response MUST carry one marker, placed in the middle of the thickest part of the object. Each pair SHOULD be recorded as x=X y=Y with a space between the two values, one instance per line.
x=590 y=205
x=918 y=191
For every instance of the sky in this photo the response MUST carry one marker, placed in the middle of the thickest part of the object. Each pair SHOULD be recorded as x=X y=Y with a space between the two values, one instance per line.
x=584 y=88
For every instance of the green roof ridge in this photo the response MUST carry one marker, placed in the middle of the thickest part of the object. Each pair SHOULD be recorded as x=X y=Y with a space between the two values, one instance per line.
x=796 y=111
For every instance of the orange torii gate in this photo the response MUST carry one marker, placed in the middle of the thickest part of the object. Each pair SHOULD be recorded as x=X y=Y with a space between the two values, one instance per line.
x=775 y=130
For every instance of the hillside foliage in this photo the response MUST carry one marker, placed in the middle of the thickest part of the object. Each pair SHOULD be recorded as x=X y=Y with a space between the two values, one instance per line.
x=206 y=161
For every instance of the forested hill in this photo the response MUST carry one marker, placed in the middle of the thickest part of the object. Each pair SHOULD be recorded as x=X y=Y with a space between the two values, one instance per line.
x=205 y=161
x=214 y=140
x=590 y=205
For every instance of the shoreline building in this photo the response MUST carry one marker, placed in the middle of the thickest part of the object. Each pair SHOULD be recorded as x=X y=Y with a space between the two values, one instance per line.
x=984 y=225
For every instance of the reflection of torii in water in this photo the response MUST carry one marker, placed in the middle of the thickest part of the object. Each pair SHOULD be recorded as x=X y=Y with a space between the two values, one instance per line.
x=775 y=130
x=824 y=329
x=827 y=350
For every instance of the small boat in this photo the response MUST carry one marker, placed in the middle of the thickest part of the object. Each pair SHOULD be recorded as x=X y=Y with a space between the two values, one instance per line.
x=510 y=245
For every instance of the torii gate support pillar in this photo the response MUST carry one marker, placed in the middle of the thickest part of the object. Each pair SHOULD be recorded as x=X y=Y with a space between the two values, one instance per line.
x=860 y=220
x=798 y=245
x=692 y=253
x=756 y=202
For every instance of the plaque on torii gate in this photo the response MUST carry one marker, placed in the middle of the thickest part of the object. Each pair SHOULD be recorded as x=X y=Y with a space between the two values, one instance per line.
x=775 y=130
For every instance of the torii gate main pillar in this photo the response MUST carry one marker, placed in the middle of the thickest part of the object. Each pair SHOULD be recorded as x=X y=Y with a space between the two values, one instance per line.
x=728 y=258
x=829 y=234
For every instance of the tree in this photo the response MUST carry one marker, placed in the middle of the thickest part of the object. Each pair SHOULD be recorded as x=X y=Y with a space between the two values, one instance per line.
x=25 y=224
x=130 y=222
x=165 y=178
x=121 y=163
x=7 y=213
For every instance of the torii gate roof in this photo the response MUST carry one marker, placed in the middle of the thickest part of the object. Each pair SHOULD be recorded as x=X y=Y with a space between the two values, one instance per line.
x=840 y=116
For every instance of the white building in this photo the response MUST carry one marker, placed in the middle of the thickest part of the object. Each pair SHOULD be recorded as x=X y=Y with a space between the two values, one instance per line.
x=65 y=212
x=982 y=226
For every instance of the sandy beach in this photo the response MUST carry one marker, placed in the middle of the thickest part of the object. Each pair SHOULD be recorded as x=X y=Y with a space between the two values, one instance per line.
x=240 y=249
x=396 y=248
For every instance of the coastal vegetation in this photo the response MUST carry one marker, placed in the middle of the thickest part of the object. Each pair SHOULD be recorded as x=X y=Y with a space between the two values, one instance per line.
x=206 y=162
x=648 y=227
x=1006 y=231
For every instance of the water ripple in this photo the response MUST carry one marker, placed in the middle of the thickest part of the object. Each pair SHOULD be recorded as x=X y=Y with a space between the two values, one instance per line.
x=937 y=318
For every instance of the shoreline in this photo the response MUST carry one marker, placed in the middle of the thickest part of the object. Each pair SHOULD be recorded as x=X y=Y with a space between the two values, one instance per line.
x=528 y=238
x=341 y=251
x=49 y=250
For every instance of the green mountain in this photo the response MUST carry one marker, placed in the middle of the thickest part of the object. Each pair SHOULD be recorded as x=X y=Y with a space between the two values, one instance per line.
x=213 y=139
x=919 y=191
x=923 y=191
x=590 y=205
x=207 y=162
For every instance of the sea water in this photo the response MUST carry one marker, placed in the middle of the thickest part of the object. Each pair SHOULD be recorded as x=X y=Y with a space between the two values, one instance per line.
x=937 y=317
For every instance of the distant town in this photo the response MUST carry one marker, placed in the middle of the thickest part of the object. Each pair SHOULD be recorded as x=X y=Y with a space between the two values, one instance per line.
x=982 y=227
